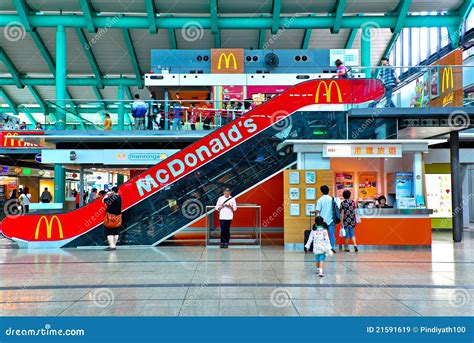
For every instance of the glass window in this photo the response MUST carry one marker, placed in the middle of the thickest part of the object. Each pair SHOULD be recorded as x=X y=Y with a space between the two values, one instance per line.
x=444 y=37
x=415 y=45
x=406 y=48
x=398 y=59
x=433 y=40
x=423 y=43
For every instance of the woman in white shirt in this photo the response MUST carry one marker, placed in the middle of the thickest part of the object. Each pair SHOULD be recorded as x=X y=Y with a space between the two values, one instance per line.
x=25 y=200
x=226 y=206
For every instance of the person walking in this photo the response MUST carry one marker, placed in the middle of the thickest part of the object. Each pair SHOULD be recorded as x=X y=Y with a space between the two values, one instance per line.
x=321 y=245
x=341 y=69
x=177 y=116
x=152 y=112
x=138 y=112
x=107 y=122
x=93 y=195
x=349 y=219
x=113 y=217
x=328 y=208
x=25 y=200
x=390 y=80
x=226 y=206
x=77 y=199
x=46 y=196
x=193 y=116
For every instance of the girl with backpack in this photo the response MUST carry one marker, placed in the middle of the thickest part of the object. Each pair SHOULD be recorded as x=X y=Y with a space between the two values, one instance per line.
x=321 y=246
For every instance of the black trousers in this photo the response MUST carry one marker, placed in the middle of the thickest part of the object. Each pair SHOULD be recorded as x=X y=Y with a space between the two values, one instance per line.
x=225 y=231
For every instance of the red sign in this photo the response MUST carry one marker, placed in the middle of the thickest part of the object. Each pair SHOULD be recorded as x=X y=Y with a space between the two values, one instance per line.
x=8 y=139
x=217 y=143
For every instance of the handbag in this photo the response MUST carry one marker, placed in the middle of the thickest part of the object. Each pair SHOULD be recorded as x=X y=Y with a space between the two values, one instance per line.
x=336 y=214
x=112 y=221
x=342 y=232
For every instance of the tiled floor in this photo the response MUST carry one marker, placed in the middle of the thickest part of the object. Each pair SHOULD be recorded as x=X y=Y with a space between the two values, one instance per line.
x=195 y=281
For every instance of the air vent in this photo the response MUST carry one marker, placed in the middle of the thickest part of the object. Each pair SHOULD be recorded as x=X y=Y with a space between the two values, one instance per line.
x=302 y=77
x=156 y=77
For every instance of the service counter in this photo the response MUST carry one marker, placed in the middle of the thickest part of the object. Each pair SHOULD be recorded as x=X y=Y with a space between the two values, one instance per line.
x=392 y=226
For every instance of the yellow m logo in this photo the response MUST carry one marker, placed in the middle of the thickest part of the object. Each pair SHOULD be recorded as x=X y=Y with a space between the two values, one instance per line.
x=227 y=59
x=49 y=226
x=13 y=142
x=447 y=80
x=327 y=91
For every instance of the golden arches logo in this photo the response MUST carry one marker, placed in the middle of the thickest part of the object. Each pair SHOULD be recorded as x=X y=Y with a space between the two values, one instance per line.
x=13 y=141
x=49 y=226
x=447 y=80
x=328 y=90
x=227 y=58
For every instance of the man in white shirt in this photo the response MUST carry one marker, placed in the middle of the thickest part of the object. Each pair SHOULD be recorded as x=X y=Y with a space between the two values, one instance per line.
x=226 y=206
x=324 y=208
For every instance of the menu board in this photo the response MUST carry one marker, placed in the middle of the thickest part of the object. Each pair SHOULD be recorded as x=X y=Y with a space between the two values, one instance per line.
x=438 y=194
x=367 y=185
x=344 y=181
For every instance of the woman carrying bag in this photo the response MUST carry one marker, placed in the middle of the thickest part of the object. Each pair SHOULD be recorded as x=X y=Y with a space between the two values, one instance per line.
x=113 y=217
x=349 y=220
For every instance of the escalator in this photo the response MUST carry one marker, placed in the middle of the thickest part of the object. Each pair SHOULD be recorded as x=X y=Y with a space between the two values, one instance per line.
x=173 y=194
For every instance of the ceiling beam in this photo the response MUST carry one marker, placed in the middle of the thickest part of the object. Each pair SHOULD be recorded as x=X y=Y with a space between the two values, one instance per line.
x=276 y=11
x=72 y=81
x=173 y=42
x=338 y=13
x=306 y=37
x=38 y=98
x=89 y=14
x=151 y=14
x=217 y=40
x=133 y=57
x=351 y=38
x=168 y=22
x=99 y=97
x=213 y=14
x=16 y=76
x=402 y=11
x=9 y=101
x=24 y=14
x=464 y=9
x=90 y=56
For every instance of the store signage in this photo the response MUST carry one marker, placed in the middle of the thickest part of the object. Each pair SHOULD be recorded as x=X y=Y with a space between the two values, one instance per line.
x=8 y=140
x=447 y=86
x=327 y=95
x=227 y=61
x=49 y=227
x=38 y=158
x=350 y=57
x=362 y=150
x=190 y=159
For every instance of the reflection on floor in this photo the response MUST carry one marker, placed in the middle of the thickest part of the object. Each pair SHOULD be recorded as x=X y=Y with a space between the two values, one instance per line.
x=188 y=281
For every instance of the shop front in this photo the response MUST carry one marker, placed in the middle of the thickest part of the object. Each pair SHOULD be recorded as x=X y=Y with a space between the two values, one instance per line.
x=369 y=170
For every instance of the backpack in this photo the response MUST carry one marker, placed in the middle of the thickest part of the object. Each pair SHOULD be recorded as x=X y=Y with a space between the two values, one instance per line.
x=348 y=74
x=336 y=213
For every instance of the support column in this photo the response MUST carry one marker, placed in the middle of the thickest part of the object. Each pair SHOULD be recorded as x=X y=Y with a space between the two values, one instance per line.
x=81 y=187
x=456 y=191
x=120 y=179
x=365 y=49
x=61 y=72
x=59 y=184
x=417 y=174
x=167 y=124
x=121 y=107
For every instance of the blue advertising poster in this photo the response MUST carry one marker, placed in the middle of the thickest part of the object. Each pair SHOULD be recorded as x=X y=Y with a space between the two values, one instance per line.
x=404 y=185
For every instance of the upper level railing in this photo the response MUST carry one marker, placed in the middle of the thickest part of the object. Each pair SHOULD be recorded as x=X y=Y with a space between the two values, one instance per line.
x=409 y=87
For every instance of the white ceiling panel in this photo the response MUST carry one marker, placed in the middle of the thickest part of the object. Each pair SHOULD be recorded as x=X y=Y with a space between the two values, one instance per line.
x=19 y=95
x=324 y=39
x=144 y=42
x=284 y=39
x=194 y=38
x=239 y=39
x=182 y=6
x=245 y=6
x=108 y=47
